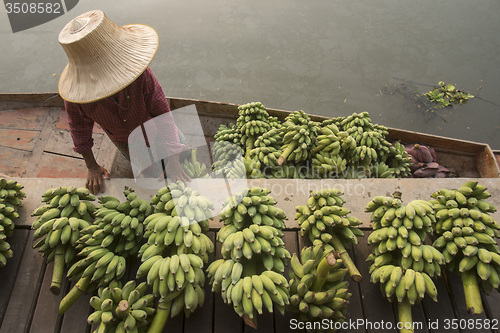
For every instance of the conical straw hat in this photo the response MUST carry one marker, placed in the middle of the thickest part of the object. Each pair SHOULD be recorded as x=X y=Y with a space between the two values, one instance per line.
x=103 y=58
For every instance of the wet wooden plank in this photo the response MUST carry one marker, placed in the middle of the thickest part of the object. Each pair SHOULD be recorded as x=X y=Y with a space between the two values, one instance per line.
x=225 y=318
x=25 y=292
x=282 y=323
x=18 y=139
x=201 y=321
x=375 y=307
x=46 y=315
x=49 y=121
x=13 y=161
x=75 y=319
x=458 y=302
x=55 y=166
x=29 y=119
x=442 y=310
x=9 y=273
x=355 y=308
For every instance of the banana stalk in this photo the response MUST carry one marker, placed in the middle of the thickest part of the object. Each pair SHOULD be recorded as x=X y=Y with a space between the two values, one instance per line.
x=472 y=293
x=404 y=314
x=161 y=317
x=79 y=288
x=288 y=150
x=58 y=270
x=349 y=264
x=324 y=268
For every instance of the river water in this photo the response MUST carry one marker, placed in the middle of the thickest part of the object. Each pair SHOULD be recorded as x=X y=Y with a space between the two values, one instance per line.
x=325 y=57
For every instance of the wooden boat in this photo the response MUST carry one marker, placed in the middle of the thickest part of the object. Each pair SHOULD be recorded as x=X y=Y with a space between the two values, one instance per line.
x=28 y=305
x=465 y=158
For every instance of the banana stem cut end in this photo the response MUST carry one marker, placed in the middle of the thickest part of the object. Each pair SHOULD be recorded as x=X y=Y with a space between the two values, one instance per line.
x=348 y=263
x=404 y=314
x=472 y=293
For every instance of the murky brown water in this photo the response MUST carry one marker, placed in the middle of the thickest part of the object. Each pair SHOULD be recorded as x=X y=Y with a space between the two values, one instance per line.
x=325 y=57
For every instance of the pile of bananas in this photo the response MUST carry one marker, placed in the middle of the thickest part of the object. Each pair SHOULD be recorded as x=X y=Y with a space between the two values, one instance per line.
x=11 y=194
x=372 y=149
x=329 y=151
x=324 y=220
x=299 y=133
x=467 y=239
x=105 y=245
x=370 y=143
x=176 y=250
x=249 y=275
x=252 y=122
x=120 y=308
x=228 y=160
x=398 y=160
x=228 y=133
x=267 y=148
x=193 y=168
x=317 y=287
x=58 y=223
x=400 y=261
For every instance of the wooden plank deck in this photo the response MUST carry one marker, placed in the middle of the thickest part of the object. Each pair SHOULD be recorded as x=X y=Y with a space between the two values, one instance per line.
x=27 y=305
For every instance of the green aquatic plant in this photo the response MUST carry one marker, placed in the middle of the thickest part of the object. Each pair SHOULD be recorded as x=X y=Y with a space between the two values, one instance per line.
x=447 y=94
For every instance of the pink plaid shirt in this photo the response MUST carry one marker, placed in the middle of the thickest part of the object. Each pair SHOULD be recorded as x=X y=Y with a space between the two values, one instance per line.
x=137 y=103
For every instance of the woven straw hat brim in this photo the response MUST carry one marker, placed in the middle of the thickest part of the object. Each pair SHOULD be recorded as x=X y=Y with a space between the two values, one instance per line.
x=103 y=58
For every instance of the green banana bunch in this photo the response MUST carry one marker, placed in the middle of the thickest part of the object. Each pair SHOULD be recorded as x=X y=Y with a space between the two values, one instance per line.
x=267 y=148
x=252 y=122
x=228 y=133
x=382 y=170
x=249 y=292
x=337 y=121
x=104 y=246
x=120 y=308
x=324 y=220
x=228 y=160
x=176 y=250
x=179 y=223
x=299 y=133
x=317 y=287
x=467 y=236
x=11 y=195
x=249 y=275
x=58 y=224
x=193 y=168
x=398 y=160
x=328 y=153
x=369 y=143
x=400 y=261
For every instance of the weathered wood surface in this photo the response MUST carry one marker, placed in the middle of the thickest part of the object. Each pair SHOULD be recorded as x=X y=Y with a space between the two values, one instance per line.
x=26 y=304
x=289 y=193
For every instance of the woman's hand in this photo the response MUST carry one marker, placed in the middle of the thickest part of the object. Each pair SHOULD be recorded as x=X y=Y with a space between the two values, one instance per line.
x=94 y=179
x=175 y=171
